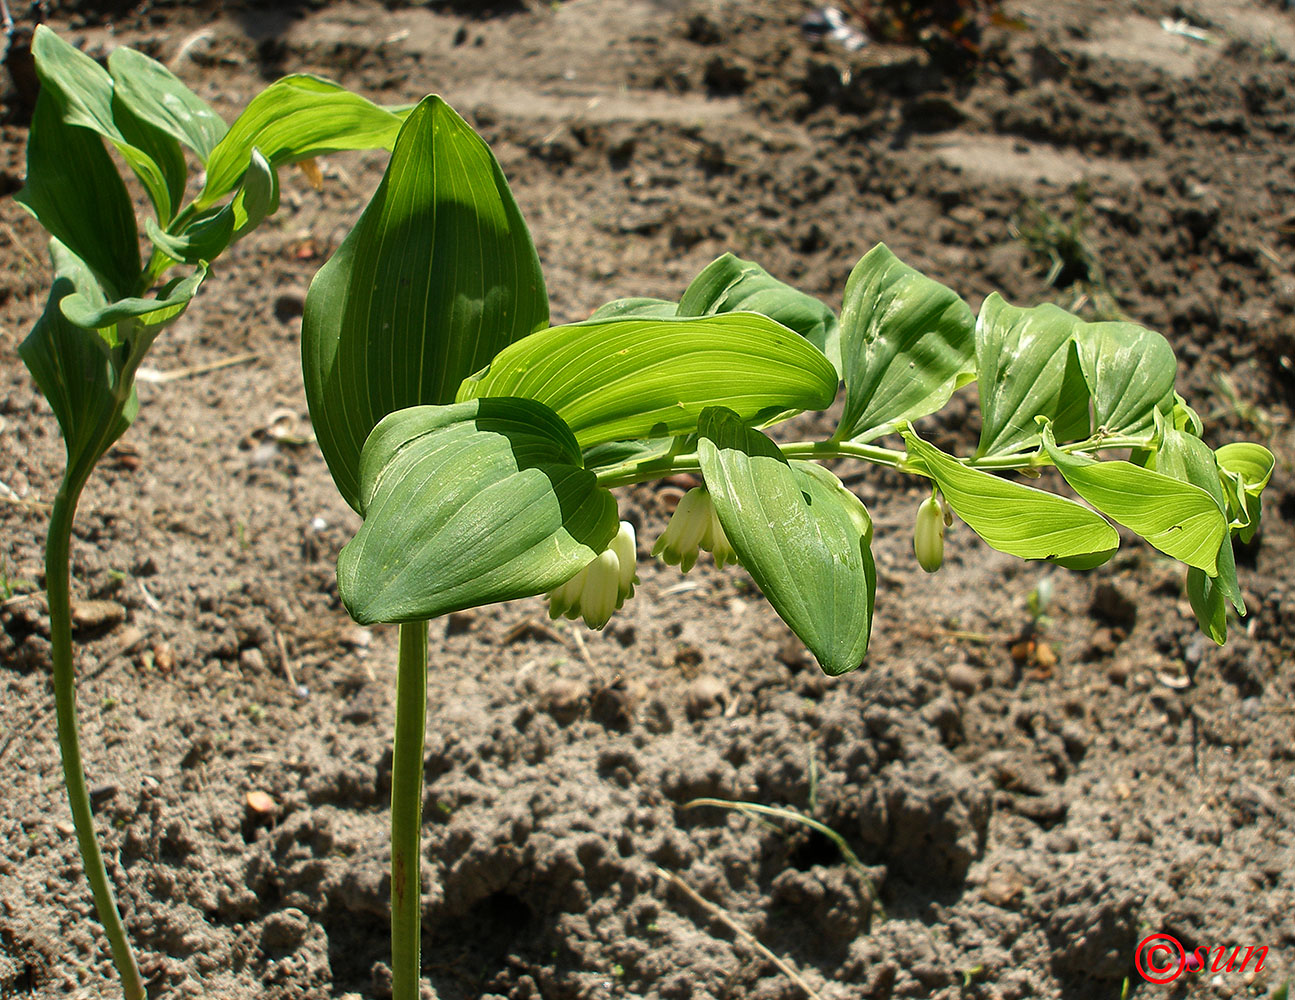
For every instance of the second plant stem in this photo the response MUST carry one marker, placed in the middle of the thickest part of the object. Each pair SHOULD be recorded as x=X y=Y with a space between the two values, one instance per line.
x=58 y=594
x=407 y=811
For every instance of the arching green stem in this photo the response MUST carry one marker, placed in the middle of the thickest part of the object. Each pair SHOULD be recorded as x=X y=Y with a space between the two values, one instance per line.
x=58 y=594
x=407 y=810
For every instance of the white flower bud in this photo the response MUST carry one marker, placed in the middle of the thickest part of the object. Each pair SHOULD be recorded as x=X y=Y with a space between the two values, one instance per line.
x=602 y=586
x=681 y=542
x=928 y=535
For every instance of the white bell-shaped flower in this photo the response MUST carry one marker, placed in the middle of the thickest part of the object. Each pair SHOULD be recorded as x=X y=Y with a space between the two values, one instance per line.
x=602 y=586
x=928 y=535
x=694 y=526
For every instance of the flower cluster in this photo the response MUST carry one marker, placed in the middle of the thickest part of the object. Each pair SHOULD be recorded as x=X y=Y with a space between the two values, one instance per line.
x=694 y=526
x=602 y=586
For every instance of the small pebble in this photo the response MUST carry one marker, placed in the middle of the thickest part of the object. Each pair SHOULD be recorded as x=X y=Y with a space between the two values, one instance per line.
x=261 y=802
x=91 y=615
x=964 y=677
x=706 y=697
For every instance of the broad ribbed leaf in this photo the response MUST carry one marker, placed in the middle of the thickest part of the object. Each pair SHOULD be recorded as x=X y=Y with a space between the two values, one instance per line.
x=74 y=190
x=1179 y=519
x=435 y=279
x=637 y=378
x=74 y=372
x=470 y=504
x=1015 y=518
x=907 y=342
x=1245 y=469
x=804 y=546
x=1130 y=374
x=635 y=308
x=294 y=118
x=731 y=284
x=157 y=95
x=1027 y=367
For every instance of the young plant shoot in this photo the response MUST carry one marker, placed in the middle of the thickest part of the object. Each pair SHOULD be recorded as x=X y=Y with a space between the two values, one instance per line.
x=108 y=302
x=481 y=445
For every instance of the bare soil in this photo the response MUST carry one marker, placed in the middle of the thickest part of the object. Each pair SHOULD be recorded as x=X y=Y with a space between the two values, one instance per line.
x=1029 y=800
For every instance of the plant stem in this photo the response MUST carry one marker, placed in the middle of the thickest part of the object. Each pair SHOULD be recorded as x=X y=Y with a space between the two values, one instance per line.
x=628 y=473
x=407 y=811
x=58 y=594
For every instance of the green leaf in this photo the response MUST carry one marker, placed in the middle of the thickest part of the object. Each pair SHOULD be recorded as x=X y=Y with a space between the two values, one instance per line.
x=86 y=97
x=467 y=505
x=438 y=275
x=1015 y=518
x=74 y=190
x=804 y=546
x=155 y=158
x=907 y=342
x=1209 y=604
x=1245 y=469
x=637 y=378
x=1027 y=368
x=208 y=235
x=294 y=118
x=1179 y=519
x=74 y=370
x=636 y=308
x=1129 y=372
x=171 y=301
x=730 y=284
x=1188 y=459
x=157 y=95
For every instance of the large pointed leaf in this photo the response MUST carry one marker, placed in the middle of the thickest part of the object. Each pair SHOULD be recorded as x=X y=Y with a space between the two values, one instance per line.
x=637 y=378
x=907 y=342
x=1015 y=518
x=804 y=546
x=293 y=118
x=74 y=371
x=731 y=284
x=1027 y=367
x=74 y=190
x=435 y=279
x=1179 y=519
x=467 y=505
x=158 y=96
x=1130 y=374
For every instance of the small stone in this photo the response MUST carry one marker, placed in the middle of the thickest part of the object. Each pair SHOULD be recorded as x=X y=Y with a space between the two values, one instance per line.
x=964 y=677
x=357 y=637
x=164 y=657
x=90 y=616
x=706 y=697
x=563 y=700
x=1118 y=672
x=261 y=803
x=284 y=930
x=252 y=660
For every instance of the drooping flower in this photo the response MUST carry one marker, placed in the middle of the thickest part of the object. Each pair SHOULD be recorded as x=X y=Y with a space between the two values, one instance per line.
x=602 y=586
x=693 y=527
x=928 y=535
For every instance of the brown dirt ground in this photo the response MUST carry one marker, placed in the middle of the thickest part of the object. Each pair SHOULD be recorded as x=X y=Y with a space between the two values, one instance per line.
x=1024 y=824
